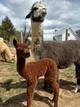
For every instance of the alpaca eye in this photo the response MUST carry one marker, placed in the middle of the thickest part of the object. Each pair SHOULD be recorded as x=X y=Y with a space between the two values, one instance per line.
x=35 y=8
x=25 y=51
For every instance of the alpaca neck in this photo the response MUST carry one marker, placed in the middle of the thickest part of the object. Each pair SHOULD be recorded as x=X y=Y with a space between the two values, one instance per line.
x=20 y=65
x=36 y=29
x=37 y=35
x=37 y=38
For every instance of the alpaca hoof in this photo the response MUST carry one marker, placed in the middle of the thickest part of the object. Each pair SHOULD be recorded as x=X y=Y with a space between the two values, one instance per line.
x=76 y=89
x=24 y=103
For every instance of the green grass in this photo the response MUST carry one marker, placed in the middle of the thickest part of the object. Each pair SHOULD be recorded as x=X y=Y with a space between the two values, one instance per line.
x=70 y=72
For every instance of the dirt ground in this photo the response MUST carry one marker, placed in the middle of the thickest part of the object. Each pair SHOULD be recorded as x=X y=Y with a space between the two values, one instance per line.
x=13 y=89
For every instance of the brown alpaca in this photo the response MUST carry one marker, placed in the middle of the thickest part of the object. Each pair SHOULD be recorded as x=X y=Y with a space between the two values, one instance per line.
x=33 y=70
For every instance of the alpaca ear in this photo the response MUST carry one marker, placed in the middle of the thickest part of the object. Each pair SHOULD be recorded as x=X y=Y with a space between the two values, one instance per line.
x=15 y=43
x=29 y=15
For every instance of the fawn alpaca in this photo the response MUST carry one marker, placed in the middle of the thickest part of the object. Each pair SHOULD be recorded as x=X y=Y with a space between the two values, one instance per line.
x=31 y=71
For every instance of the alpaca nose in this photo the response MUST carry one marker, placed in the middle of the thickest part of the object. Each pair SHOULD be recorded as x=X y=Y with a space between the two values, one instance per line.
x=44 y=12
x=28 y=54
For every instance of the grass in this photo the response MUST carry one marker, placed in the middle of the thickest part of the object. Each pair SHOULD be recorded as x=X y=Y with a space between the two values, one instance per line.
x=13 y=86
x=70 y=72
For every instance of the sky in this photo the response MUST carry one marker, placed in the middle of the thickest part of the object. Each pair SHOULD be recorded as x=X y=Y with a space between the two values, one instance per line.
x=60 y=13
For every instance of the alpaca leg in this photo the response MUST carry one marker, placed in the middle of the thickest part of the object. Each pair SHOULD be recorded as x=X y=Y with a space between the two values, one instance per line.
x=30 y=93
x=55 y=88
x=48 y=86
x=78 y=77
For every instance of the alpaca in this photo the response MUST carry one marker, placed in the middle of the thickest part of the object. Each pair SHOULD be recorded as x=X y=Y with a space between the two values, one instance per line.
x=5 y=52
x=37 y=15
x=33 y=70
x=64 y=53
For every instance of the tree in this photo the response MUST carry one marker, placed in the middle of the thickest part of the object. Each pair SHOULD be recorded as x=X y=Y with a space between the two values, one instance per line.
x=8 y=29
x=0 y=31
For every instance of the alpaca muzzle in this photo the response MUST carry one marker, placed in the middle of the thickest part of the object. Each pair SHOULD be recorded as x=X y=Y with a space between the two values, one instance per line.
x=28 y=54
x=44 y=12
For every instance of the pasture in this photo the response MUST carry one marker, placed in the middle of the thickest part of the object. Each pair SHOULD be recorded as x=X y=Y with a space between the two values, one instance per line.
x=13 y=89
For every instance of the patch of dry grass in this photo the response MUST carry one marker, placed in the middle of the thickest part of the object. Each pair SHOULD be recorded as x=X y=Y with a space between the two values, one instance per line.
x=13 y=87
x=11 y=84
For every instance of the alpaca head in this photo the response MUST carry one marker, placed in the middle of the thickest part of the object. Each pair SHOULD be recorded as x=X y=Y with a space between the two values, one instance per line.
x=38 y=12
x=22 y=49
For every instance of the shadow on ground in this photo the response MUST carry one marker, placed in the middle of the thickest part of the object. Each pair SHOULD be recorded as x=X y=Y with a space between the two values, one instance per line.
x=13 y=101
x=67 y=85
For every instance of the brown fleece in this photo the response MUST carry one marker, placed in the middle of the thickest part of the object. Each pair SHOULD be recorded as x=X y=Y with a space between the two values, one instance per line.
x=33 y=70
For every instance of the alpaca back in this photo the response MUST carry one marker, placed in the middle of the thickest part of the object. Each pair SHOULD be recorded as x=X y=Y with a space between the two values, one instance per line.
x=40 y=68
x=64 y=53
